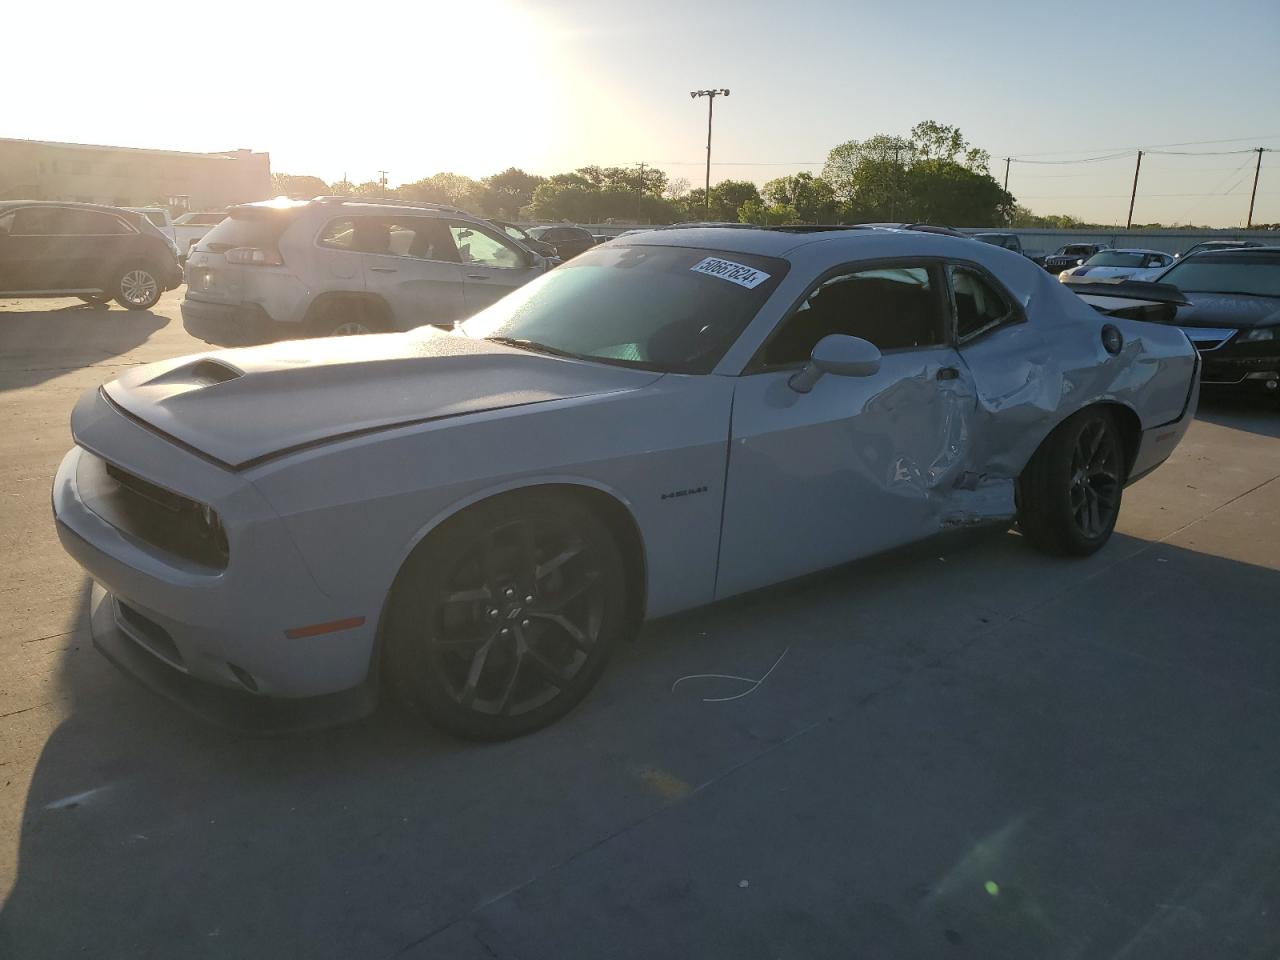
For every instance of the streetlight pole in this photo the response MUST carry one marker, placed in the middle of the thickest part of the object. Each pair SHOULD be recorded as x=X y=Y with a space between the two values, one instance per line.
x=711 y=102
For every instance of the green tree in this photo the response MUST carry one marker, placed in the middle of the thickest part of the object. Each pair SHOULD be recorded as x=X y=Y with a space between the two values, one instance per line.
x=868 y=176
x=505 y=194
x=809 y=198
x=451 y=188
x=940 y=191
x=298 y=187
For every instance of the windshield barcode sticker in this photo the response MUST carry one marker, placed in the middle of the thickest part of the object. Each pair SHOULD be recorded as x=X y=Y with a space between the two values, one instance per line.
x=738 y=273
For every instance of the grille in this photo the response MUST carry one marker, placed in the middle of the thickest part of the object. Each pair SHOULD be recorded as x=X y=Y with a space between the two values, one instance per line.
x=146 y=632
x=169 y=521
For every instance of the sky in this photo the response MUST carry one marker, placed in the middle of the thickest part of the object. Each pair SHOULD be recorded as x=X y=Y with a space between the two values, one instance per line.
x=420 y=87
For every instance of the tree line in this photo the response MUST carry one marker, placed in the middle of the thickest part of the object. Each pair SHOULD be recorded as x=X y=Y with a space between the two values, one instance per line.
x=933 y=175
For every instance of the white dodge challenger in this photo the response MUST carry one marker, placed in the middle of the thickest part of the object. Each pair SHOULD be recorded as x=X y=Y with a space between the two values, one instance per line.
x=472 y=520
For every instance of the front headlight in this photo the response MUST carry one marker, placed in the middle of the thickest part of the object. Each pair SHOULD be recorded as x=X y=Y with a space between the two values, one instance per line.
x=1259 y=333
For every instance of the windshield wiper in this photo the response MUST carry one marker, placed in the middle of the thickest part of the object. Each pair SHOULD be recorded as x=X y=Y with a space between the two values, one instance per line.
x=535 y=347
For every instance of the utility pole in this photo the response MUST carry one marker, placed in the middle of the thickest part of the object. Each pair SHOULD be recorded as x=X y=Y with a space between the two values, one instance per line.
x=1134 y=195
x=1253 y=196
x=382 y=180
x=1006 y=183
x=711 y=102
x=640 y=192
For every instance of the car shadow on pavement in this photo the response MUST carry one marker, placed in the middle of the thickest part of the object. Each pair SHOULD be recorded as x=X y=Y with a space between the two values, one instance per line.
x=1251 y=412
x=38 y=345
x=964 y=743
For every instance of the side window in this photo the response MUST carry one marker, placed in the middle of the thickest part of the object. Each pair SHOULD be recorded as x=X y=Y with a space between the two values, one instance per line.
x=38 y=222
x=979 y=305
x=894 y=307
x=475 y=246
x=92 y=223
x=338 y=235
x=422 y=238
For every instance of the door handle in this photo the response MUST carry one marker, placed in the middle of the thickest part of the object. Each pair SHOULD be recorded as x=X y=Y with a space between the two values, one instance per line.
x=477 y=276
x=383 y=269
x=947 y=373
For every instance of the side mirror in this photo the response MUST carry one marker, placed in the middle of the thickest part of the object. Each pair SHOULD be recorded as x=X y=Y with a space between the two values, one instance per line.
x=840 y=355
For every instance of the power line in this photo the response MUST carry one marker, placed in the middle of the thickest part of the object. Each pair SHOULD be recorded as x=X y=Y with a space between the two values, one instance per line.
x=1154 y=146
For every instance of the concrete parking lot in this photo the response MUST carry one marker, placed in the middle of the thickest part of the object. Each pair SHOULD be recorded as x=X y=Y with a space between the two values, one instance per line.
x=966 y=750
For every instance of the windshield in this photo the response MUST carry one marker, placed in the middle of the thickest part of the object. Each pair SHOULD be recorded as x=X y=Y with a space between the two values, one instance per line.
x=1114 y=258
x=1255 y=274
x=674 y=309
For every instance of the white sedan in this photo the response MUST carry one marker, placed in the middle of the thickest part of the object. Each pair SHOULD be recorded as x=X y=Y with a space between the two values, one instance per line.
x=1127 y=264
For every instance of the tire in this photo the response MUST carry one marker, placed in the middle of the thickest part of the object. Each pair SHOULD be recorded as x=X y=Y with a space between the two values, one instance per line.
x=348 y=318
x=504 y=618
x=1069 y=494
x=138 y=287
x=97 y=299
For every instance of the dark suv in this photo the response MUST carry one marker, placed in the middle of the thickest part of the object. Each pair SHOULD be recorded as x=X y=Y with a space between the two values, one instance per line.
x=569 y=241
x=1072 y=255
x=96 y=253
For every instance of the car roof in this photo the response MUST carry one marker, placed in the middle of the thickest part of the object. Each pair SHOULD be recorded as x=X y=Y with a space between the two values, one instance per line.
x=106 y=208
x=852 y=242
x=1135 y=250
x=1245 y=251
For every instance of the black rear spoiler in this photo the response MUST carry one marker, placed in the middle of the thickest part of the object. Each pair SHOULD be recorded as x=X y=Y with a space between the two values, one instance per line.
x=1135 y=299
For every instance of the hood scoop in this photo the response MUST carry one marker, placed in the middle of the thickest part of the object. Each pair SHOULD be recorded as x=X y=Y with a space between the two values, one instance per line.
x=203 y=372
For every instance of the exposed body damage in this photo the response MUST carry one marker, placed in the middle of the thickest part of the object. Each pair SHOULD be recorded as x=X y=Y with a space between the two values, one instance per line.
x=330 y=464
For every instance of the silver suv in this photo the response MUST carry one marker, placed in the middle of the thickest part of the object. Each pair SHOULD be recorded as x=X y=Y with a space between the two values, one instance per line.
x=334 y=266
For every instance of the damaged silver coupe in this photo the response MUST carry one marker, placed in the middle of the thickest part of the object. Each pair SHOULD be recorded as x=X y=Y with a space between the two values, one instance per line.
x=472 y=520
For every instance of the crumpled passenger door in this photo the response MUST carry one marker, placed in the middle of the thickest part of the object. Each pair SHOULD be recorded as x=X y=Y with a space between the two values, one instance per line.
x=858 y=465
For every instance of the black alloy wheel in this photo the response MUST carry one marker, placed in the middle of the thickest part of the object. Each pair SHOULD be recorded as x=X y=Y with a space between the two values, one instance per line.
x=519 y=608
x=1069 y=494
x=1095 y=479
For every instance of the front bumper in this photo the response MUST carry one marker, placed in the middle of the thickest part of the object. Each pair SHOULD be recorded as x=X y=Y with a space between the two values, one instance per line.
x=1244 y=372
x=224 y=628
x=224 y=707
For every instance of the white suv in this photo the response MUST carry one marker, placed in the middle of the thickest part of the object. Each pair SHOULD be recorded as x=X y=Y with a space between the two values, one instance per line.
x=333 y=266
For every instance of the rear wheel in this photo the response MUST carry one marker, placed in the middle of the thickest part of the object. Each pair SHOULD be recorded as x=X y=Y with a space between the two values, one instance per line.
x=348 y=318
x=138 y=287
x=504 y=619
x=1069 y=495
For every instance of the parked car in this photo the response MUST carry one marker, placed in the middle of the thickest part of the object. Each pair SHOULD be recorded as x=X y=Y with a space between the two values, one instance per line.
x=1204 y=245
x=185 y=231
x=1233 y=315
x=96 y=253
x=473 y=520
x=1072 y=255
x=1010 y=241
x=190 y=227
x=1131 y=262
x=518 y=233
x=569 y=241
x=334 y=266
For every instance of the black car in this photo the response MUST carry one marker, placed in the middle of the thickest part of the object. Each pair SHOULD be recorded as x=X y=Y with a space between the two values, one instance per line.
x=517 y=232
x=1205 y=246
x=1233 y=316
x=96 y=253
x=1072 y=255
x=1010 y=241
x=569 y=241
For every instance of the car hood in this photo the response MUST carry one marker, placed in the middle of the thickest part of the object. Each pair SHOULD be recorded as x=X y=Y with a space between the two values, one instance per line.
x=243 y=406
x=1239 y=310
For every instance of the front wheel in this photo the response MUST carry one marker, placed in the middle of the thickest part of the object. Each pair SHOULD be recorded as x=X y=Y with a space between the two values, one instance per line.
x=505 y=617
x=1069 y=494
x=138 y=288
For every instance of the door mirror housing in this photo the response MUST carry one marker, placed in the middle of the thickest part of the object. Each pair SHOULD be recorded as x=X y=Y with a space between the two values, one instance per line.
x=839 y=355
